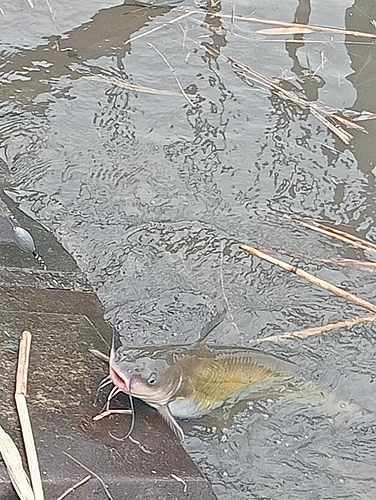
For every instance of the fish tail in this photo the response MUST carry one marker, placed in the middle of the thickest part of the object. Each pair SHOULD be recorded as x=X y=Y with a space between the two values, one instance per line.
x=341 y=411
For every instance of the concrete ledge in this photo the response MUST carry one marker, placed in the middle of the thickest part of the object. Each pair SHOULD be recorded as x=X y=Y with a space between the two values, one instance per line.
x=66 y=319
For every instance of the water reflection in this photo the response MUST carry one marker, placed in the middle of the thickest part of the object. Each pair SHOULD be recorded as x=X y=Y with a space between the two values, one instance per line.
x=307 y=77
x=363 y=63
x=30 y=72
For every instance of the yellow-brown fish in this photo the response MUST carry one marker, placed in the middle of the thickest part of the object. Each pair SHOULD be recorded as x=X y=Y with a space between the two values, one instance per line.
x=188 y=381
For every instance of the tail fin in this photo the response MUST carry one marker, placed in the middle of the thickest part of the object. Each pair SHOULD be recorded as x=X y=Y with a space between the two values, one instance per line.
x=342 y=412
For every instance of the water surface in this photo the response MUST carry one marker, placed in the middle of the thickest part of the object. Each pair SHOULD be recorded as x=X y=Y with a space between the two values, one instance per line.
x=152 y=195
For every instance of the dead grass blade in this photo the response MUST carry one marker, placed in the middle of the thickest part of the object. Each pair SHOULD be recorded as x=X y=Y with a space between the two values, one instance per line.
x=173 y=72
x=296 y=26
x=327 y=116
x=13 y=462
x=309 y=332
x=23 y=415
x=310 y=277
x=336 y=129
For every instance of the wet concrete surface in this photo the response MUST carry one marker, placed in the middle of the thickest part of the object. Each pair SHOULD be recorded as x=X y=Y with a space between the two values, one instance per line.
x=66 y=319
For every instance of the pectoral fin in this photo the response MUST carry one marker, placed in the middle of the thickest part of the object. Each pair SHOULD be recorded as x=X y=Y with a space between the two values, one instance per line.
x=164 y=411
x=100 y=355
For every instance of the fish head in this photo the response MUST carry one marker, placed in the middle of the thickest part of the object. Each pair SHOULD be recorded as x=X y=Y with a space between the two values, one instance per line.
x=146 y=375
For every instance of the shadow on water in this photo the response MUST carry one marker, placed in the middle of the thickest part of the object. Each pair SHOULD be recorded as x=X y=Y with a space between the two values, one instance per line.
x=31 y=72
x=152 y=196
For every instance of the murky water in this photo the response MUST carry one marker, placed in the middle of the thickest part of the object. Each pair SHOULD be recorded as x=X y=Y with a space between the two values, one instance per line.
x=152 y=194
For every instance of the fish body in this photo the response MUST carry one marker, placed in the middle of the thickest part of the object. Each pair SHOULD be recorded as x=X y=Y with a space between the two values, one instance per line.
x=212 y=376
x=191 y=381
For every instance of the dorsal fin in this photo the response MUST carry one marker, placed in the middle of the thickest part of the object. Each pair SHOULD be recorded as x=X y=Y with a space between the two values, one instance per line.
x=217 y=320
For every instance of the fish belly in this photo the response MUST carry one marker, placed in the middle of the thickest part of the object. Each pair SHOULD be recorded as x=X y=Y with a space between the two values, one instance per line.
x=201 y=404
x=187 y=408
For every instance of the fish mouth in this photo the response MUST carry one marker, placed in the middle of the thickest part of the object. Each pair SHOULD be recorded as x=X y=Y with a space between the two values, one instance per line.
x=120 y=380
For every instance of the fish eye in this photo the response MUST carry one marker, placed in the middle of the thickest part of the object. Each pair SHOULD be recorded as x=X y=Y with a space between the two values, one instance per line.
x=153 y=379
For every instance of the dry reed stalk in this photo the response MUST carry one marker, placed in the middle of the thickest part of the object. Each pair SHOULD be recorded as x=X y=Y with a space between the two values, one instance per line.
x=336 y=129
x=363 y=265
x=173 y=72
x=23 y=415
x=328 y=117
x=13 y=462
x=309 y=332
x=177 y=19
x=310 y=277
x=343 y=236
x=74 y=487
x=348 y=122
x=297 y=26
x=365 y=115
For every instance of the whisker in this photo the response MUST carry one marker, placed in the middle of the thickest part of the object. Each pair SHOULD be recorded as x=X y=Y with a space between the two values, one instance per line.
x=115 y=390
x=133 y=421
x=103 y=383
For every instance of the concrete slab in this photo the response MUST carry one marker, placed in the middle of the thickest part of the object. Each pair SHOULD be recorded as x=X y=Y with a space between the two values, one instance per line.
x=62 y=384
x=66 y=319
